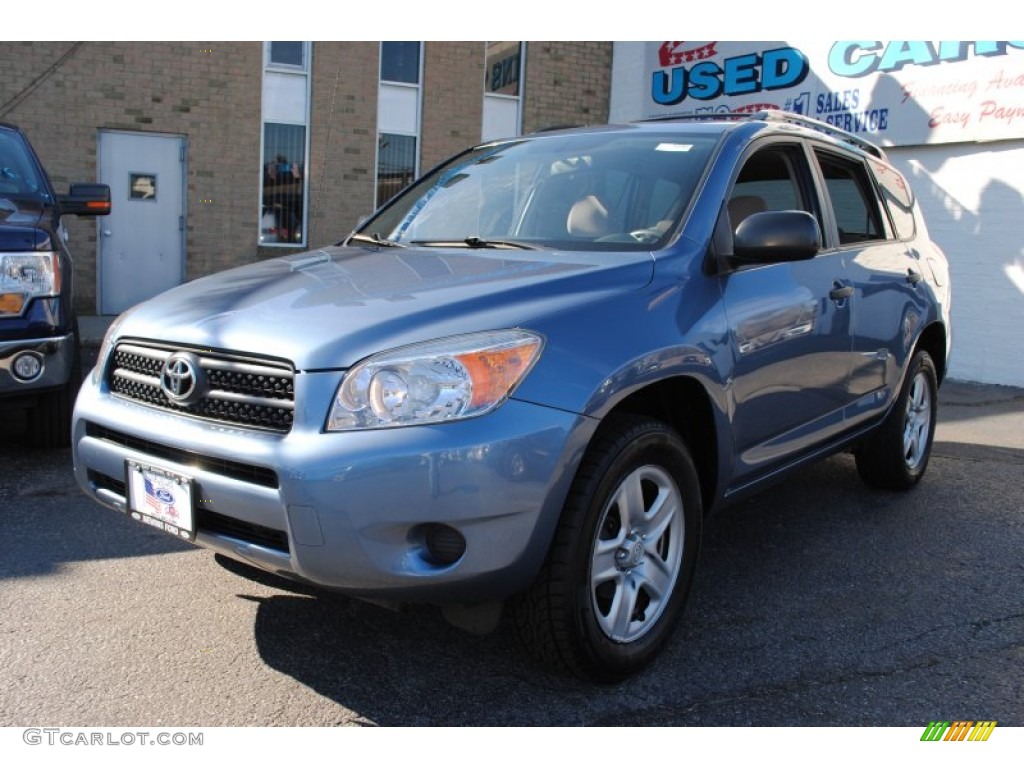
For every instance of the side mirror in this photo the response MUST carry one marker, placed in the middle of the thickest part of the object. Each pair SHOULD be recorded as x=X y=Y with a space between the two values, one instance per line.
x=86 y=200
x=775 y=236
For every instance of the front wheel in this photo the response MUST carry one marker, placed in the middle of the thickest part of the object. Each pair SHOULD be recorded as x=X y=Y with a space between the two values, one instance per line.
x=896 y=455
x=49 y=421
x=620 y=567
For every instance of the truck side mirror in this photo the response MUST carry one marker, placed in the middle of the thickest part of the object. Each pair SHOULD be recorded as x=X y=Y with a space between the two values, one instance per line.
x=86 y=200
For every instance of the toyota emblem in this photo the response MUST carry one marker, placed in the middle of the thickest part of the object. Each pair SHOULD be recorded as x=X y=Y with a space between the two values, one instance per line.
x=180 y=378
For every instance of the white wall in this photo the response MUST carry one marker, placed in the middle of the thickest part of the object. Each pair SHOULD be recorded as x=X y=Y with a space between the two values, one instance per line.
x=972 y=192
x=973 y=199
x=629 y=87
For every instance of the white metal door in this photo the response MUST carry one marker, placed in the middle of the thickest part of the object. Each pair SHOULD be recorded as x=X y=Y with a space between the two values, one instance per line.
x=142 y=241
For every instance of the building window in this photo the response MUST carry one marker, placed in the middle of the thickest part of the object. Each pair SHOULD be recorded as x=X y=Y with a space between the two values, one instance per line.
x=285 y=154
x=503 y=73
x=400 y=62
x=287 y=54
x=284 y=183
x=398 y=117
x=396 y=165
x=504 y=60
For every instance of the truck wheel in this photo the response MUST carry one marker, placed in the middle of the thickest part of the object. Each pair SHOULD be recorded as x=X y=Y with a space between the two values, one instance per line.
x=623 y=557
x=49 y=422
x=896 y=455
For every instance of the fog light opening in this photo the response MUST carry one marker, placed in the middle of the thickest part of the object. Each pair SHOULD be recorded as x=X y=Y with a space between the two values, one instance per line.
x=445 y=545
x=27 y=366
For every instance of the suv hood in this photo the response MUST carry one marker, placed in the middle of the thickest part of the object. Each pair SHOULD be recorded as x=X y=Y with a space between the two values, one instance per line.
x=330 y=308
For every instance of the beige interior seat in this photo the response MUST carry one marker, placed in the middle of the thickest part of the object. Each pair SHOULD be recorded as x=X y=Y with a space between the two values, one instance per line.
x=742 y=206
x=587 y=218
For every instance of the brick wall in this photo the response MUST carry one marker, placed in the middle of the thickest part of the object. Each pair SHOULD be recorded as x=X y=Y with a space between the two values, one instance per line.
x=566 y=83
x=64 y=93
x=453 y=87
x=343 y=148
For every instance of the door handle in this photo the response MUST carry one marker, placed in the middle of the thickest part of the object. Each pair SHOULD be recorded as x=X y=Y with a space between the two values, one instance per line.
x=914 y=277
x=107 y=233
x=840 y=291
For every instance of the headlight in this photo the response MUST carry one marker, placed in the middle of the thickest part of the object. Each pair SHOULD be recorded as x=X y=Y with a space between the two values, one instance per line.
x=443 y=380
x=24 y=276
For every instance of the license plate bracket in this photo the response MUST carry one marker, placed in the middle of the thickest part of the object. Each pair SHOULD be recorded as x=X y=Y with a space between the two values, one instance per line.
x=161 y=498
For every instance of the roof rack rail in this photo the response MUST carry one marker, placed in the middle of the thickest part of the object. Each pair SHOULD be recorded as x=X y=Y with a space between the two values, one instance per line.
x=697 y=116
x=780 y=116
x=557 y=127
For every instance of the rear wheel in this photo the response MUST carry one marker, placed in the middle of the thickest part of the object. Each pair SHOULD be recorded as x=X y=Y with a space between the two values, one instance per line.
x=621 y=565
x=896 y=455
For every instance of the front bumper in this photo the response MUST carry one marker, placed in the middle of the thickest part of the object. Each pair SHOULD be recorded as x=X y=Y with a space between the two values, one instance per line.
x=350 y=510
x=56 y=354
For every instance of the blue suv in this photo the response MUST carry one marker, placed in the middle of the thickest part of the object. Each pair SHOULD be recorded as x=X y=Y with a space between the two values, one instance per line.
x=532 y=375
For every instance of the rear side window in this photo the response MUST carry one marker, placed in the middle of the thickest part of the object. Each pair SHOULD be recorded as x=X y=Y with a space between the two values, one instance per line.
x=898 y=198
x=853 y=197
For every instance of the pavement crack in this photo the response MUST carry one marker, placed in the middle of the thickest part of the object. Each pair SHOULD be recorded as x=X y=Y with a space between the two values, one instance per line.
x=671 y=714
x=979 y=623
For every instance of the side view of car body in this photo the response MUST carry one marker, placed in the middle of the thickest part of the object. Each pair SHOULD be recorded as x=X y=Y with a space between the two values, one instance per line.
x=39 y=356
x=532 y=374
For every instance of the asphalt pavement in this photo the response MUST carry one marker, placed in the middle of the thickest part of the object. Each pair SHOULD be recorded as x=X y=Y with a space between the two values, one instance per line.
x=819 y=602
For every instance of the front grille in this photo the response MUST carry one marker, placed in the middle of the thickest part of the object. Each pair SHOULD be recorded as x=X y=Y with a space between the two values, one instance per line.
x=237 y=470
x=209 y=521
x=240 y=390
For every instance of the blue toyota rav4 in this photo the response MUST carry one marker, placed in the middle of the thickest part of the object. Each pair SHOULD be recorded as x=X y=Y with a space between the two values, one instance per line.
x=532 y=375
x=40 y=367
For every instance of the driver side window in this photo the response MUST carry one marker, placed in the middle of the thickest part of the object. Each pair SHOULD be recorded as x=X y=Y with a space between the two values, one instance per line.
x=768 y=181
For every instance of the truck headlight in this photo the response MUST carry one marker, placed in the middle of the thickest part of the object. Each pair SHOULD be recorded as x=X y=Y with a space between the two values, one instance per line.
x=24 y=276
x=443 y=380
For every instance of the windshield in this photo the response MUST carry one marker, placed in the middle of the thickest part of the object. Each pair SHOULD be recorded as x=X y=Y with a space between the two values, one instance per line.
x=20 y=177
x=619 y=190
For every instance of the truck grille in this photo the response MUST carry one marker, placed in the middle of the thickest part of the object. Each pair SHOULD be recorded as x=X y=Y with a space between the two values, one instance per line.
x=232 y=389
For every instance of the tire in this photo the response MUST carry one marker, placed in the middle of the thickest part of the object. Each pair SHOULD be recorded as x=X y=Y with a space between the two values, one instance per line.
x=622 y=561
x=896 y=455
x=49 y=422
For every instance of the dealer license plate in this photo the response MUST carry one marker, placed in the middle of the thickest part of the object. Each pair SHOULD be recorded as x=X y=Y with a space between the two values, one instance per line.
x=160 y=498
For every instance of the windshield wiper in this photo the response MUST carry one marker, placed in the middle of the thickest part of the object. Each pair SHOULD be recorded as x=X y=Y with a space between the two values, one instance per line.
x=475 y=242
x=373 y=238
